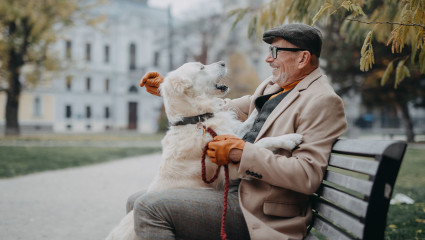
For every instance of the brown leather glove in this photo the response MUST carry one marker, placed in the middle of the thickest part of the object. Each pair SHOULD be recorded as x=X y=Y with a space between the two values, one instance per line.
x=151 y=82
x=218 y=149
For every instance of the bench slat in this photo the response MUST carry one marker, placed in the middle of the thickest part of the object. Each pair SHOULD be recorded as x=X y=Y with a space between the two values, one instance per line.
x=347 y=222
x=368 y=147
x=328 y=230
x=358 y=185
x=346 y=201
x=354 y=164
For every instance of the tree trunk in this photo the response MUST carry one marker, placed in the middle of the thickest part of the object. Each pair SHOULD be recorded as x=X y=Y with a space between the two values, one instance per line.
x=403 y=109
x=15 y=63
x=12 y=125
x=12 y=105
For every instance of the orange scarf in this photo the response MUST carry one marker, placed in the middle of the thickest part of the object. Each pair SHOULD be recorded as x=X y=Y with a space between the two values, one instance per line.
x=286 y=88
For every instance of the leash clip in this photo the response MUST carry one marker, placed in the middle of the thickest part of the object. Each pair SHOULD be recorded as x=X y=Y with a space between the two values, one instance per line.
x=200 y=126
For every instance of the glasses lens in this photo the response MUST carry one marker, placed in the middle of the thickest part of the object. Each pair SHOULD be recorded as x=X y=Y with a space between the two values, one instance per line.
x=273 y=50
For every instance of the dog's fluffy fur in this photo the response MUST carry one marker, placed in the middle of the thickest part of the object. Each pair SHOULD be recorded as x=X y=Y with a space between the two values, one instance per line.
x=192 y=90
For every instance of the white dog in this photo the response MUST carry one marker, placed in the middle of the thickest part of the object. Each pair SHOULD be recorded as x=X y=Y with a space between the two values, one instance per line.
x=191 y=97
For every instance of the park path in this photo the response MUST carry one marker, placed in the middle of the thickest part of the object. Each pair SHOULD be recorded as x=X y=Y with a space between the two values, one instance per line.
x=82 y=203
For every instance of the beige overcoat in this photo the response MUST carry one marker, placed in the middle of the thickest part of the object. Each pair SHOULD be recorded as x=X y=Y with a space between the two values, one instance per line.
x=274 y=192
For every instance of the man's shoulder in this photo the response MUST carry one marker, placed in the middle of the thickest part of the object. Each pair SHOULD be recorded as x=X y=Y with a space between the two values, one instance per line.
x=321 y=85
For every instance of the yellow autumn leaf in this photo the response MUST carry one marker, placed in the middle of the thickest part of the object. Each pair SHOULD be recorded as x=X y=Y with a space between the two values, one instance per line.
x=420 y=220
x=392 y=226
x=322 y=9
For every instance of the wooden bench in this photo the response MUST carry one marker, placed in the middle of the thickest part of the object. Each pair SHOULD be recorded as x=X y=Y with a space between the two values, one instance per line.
x=353 y=200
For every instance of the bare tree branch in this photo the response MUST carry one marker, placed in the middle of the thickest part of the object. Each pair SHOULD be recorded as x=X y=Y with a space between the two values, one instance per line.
x=391 y=23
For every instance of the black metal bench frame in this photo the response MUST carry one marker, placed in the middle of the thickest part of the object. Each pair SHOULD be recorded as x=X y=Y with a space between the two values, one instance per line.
x=353 y=200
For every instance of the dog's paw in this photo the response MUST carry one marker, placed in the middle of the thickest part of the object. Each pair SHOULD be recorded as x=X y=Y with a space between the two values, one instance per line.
x=287 y=142
x=268 y=142
x=290 y=141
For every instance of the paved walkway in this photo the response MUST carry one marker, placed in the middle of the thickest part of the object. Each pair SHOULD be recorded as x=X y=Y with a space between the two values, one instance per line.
x=78 y=203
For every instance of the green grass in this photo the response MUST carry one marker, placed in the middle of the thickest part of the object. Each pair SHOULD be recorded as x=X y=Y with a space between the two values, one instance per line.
x=15 y=161
x=105 y=137
x=408 y=221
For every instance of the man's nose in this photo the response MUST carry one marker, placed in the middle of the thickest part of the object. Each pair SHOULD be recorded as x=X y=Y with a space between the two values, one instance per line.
x=269 y=58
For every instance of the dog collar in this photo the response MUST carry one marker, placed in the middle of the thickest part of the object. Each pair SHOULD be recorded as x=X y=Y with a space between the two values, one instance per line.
x=193 y=120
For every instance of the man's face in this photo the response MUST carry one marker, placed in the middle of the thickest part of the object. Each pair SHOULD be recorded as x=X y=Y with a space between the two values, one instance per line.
x=285 y=69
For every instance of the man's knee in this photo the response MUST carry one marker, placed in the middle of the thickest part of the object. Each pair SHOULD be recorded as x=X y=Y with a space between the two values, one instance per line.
x=132 y=199
x=146 y=202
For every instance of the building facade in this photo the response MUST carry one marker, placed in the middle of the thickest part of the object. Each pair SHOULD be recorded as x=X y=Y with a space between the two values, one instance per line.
x=97 y=88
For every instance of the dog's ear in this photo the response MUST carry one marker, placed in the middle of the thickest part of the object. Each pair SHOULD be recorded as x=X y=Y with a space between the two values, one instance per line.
x=176 y=85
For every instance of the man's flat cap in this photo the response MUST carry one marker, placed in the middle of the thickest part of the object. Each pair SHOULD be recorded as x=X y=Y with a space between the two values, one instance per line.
x=301 y=35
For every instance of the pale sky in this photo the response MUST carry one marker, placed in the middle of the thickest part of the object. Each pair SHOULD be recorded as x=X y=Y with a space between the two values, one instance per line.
x=182 y=8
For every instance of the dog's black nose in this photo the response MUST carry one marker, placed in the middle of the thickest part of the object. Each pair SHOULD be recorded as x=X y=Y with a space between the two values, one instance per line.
x=222 y=63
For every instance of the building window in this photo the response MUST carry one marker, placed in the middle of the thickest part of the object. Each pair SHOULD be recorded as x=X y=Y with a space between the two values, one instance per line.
x=88 y=112
x=106 y=53
x=156 y=59
x=107 y=113
x=68 y=111
x=88 y=84
x=68 y=83
x=132 y=56
x=68 y=48
x=37 y=107
x=132 y=89
x=88 y=52
x=107 y=85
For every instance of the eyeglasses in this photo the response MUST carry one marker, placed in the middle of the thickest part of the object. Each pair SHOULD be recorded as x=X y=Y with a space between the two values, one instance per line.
x=274 y=49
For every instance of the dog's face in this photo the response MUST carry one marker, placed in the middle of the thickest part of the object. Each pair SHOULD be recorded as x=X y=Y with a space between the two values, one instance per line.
x=195 y=79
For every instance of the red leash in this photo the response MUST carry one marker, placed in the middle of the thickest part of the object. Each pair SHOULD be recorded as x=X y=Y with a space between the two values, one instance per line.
x=226 y=184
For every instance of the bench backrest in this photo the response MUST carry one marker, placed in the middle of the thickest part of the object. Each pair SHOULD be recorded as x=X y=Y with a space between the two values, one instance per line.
x=353 y=200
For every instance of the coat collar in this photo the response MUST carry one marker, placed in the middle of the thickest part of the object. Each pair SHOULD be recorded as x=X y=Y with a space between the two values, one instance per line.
x=288 y=100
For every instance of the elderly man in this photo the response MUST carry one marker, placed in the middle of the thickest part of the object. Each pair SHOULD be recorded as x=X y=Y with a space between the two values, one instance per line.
x=272 y=199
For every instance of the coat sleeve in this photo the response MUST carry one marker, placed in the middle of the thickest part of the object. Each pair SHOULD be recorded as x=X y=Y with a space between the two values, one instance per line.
x=239 y=105
x=321 y=122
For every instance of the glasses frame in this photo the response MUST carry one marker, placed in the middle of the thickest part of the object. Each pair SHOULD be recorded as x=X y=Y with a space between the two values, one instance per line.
x=274 y=50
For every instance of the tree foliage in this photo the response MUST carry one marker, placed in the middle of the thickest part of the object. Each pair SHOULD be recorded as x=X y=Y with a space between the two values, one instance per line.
x=27 y=29
x=400 y=24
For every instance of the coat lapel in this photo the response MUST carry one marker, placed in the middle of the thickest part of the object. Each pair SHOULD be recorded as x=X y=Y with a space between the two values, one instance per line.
x=288 y=100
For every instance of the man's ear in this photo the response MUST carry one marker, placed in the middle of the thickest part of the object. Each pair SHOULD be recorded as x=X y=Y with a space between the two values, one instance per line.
x=174 y=85
x=303 y=59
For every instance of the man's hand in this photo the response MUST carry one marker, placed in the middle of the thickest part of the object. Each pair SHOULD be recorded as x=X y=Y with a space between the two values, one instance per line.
x=225 y=148
x=151 y=82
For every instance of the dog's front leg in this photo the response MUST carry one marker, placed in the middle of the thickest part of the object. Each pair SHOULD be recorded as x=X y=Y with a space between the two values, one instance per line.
x=247 y=125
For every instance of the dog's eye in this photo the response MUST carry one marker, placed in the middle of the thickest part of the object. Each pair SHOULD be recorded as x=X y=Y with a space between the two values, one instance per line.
x=202 y=67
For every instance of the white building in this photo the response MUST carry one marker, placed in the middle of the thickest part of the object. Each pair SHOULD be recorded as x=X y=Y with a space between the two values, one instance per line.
x=98 y=88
